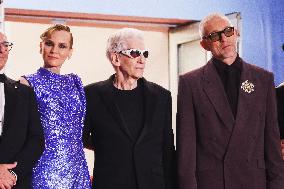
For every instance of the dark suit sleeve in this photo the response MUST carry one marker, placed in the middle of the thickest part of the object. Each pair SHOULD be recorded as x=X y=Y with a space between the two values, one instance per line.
x=280 y=109
x=273 y=160
x=87 y=137
x=34 y=144
x=186 y=137
x=169 y=150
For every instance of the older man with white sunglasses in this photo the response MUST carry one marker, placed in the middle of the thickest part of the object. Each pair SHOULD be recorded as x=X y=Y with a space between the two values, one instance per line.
x=128 y=121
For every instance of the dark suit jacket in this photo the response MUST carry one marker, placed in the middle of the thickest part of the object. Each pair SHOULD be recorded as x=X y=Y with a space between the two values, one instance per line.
x=119 y=159
x=22 y=138
x=280 y=106
x=217 y=151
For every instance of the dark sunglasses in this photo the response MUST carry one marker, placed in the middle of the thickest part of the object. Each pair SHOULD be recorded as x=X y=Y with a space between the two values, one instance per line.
x=134 y=53
x=216 y=36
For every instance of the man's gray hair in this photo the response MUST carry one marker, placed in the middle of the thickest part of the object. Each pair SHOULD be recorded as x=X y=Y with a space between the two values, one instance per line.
x=118 y=40
x=210 y=17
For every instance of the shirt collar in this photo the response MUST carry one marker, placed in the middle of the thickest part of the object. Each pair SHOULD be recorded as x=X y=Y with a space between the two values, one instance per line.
x=222 y=67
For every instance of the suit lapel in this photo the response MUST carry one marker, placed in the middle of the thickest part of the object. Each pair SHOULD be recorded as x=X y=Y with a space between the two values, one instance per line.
x=10 y=89
x=108 y=96
x=215 y=91
x=11 y=102
x=149 y=109
x=245 y=102
x=245 y=105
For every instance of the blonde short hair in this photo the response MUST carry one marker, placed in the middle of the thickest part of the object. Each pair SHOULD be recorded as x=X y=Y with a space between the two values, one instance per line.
x=57 y=27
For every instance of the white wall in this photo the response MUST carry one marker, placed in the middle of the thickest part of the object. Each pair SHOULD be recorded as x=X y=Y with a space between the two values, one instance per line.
x=88 y=59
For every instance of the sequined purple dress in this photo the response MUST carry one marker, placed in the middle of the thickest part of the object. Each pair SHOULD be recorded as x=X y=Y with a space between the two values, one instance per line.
x=62 y=106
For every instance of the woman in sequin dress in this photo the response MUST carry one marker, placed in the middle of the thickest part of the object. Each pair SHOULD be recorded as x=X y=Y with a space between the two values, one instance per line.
x=62 y=104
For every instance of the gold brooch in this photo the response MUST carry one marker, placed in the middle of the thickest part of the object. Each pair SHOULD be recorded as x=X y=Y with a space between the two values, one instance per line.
x=247 y=86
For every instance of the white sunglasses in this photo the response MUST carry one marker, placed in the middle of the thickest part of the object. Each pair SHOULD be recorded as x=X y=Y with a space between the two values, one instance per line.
x=134 y=53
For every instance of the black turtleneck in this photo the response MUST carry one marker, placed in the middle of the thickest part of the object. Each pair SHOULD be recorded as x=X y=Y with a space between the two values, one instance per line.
x=230 y=76
x=130 y=104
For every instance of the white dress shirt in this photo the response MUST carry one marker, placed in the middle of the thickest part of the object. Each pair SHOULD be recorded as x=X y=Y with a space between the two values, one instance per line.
x=2 y=103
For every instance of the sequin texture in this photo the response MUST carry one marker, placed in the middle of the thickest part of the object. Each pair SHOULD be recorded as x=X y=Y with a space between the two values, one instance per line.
x=62 y=106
